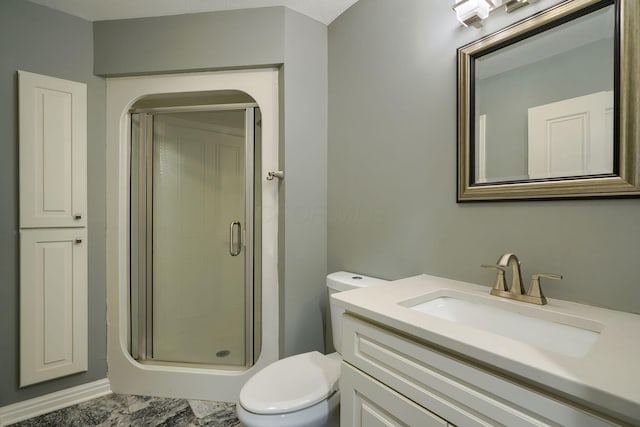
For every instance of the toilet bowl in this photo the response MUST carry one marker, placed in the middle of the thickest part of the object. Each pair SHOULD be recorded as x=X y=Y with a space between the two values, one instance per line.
x=301 y=390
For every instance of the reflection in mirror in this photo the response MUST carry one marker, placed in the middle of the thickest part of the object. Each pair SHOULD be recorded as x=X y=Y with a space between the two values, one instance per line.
x=544 y=105
x=548 y=107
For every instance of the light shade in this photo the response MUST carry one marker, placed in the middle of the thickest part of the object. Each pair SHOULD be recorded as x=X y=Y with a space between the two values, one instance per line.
x=473 y=12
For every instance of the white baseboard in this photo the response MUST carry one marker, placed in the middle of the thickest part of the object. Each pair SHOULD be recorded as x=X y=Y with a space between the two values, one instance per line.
x=52 y=402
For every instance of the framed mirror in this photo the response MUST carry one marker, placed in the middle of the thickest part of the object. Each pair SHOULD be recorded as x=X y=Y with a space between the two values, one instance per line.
x=549 y=107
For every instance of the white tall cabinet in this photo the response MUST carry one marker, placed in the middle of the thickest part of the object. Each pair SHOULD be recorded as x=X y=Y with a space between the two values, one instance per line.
x=53 y=227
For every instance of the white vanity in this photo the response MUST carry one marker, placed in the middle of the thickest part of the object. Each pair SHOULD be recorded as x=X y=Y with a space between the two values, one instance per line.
x=423 y=351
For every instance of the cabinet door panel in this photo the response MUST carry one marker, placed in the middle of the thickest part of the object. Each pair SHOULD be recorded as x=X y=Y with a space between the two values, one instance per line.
x=366 y=402
x=53 y=304
x=53 y=175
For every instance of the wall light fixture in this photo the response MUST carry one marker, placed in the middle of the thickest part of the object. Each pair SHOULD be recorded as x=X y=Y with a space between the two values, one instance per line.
x=473 y=12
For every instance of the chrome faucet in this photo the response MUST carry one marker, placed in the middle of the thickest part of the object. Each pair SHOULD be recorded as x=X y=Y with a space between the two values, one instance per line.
x=516 y=291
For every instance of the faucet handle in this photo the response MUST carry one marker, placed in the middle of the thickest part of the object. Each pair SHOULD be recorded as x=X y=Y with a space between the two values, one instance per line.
x=535 y=291
x=501 y=284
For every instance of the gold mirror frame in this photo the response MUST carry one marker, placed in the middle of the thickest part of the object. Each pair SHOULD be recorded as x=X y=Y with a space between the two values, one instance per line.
x=625 y=182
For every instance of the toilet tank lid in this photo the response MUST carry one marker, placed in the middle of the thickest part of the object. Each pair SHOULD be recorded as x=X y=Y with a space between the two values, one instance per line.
x=291 y=384
x=344 y=281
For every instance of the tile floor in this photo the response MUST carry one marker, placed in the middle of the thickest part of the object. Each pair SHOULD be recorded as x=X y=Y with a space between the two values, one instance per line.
x=126 y=410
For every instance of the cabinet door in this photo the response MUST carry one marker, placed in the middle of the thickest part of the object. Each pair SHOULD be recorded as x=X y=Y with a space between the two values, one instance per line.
x=53 y=304
x=53 y=133
x=366 y=402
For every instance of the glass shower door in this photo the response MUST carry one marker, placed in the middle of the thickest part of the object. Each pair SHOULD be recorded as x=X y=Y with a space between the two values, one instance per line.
x=196 y=304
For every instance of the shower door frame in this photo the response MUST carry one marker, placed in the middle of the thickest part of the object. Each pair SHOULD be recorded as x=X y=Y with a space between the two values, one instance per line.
x=145 y=230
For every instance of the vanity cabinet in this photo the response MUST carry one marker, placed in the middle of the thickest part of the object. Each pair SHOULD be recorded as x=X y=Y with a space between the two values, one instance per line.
x=391 y=379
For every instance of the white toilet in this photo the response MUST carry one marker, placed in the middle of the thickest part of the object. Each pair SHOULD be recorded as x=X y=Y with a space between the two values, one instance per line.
x=301 y=390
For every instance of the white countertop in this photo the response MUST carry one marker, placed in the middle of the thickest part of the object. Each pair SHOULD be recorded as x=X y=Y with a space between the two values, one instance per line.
x=607 y=378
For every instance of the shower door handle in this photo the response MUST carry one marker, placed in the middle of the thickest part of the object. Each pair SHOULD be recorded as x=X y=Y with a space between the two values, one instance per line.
x=235 y=239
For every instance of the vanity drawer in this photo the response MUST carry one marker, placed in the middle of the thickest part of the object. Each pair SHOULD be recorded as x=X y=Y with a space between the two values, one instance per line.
x=454 y=389
x=366 y=402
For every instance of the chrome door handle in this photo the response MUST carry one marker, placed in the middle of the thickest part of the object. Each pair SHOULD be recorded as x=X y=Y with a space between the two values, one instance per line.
x=235 y=239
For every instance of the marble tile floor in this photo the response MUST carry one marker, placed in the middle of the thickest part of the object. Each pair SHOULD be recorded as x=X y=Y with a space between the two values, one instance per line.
x=127 y=410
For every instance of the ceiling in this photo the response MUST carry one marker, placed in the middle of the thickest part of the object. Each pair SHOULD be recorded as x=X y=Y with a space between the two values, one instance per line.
x=324 y=11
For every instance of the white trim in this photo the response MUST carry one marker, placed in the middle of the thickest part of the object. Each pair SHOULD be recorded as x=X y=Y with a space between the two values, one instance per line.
x=52 y=402
x=126 y=375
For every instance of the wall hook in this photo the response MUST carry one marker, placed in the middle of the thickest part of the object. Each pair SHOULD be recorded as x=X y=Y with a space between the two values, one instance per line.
x=275 y=174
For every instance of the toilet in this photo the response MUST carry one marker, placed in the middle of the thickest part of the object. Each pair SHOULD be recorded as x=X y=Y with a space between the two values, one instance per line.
x=301 y=390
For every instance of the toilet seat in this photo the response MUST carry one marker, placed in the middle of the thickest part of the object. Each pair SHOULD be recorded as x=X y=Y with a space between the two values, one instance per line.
x=291 y=384
x=325 y=413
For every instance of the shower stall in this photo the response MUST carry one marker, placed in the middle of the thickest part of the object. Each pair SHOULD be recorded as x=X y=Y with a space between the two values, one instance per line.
x=195 y=231
x=192 y=250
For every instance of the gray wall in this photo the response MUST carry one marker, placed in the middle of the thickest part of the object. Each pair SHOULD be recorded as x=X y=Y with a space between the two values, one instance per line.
x=34 y=38
x=305 y=186
x=202 y=41
x=505 y=99
x=256 y=38
x=392 y=169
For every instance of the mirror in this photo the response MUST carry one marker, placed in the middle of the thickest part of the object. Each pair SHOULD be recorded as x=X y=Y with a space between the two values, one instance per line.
x=548 y=107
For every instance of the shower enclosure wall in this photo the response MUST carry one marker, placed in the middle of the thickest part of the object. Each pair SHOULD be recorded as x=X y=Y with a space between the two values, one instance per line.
x=192 y=232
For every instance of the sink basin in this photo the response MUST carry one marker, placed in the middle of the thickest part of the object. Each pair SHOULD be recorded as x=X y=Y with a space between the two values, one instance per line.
x=566 y=335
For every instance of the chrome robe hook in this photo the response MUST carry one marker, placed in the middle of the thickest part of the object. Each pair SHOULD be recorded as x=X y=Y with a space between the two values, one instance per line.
x=275 y=174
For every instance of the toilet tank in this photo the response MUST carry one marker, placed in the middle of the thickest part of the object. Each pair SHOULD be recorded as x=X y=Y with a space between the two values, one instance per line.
x=339 y=282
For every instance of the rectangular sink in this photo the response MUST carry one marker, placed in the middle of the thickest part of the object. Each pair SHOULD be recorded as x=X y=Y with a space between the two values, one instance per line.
x=566 y=335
